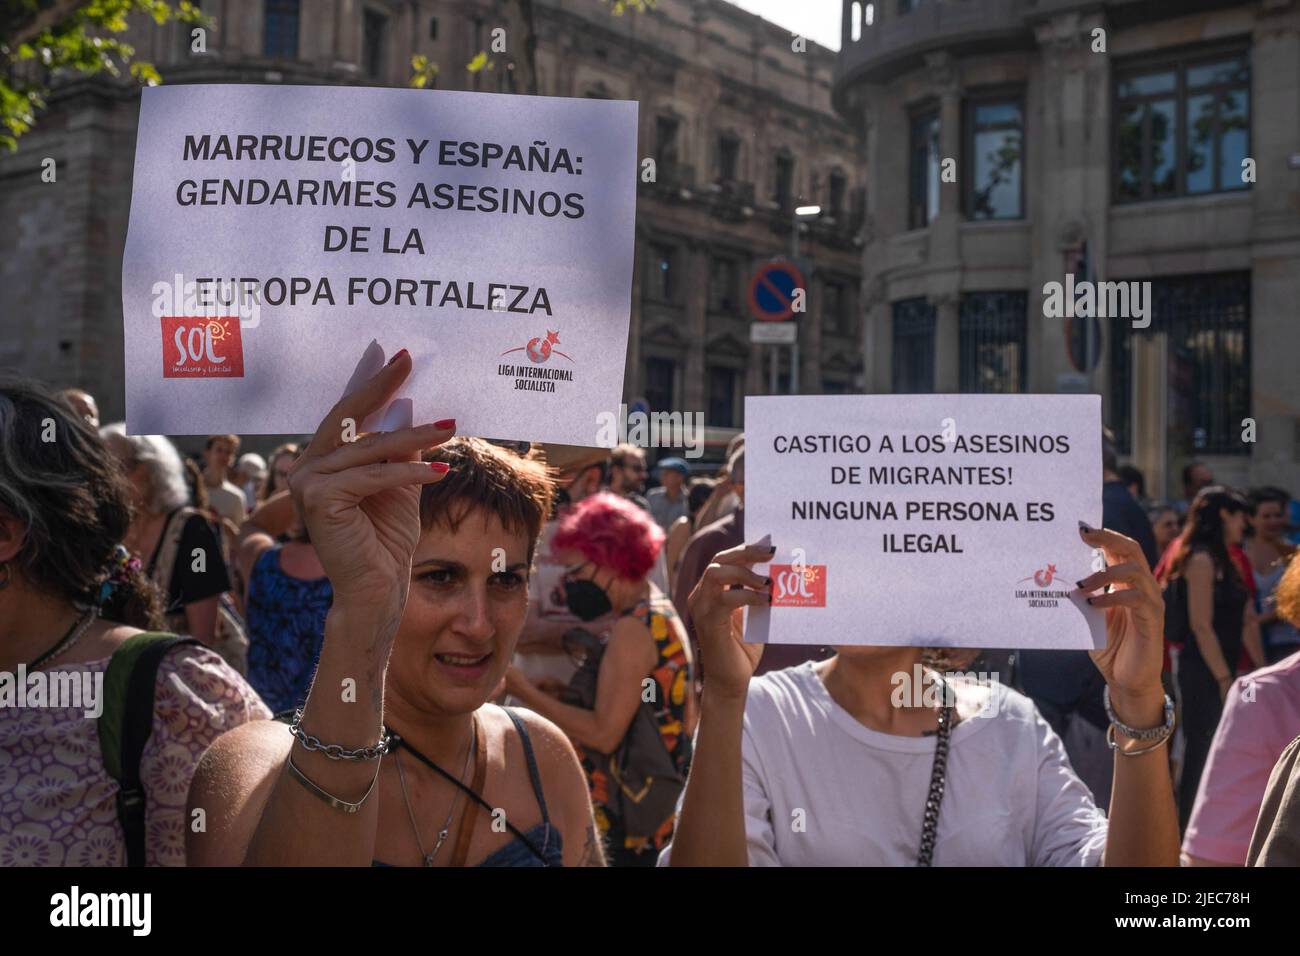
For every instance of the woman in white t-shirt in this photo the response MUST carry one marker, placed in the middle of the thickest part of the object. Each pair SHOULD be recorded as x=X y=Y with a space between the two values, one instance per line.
x=819 y=765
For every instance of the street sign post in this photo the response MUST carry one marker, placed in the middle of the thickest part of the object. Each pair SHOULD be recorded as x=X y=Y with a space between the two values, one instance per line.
x=773 y=333
x=773 y=292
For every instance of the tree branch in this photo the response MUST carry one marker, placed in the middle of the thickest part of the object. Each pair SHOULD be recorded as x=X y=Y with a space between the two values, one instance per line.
x=45 y=19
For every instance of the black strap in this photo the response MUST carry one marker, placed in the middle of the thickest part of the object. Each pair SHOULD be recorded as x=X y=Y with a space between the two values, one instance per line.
x=137 y=725
x=162 y=538
x=398 y=741
x=938 y=776
x=531 y=760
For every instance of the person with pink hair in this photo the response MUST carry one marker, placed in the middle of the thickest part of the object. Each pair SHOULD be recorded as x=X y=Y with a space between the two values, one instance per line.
x=630 y=708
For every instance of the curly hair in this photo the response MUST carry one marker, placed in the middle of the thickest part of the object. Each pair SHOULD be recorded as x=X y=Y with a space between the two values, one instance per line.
x=1288 y=592
x=612 y=532
x=67 y=489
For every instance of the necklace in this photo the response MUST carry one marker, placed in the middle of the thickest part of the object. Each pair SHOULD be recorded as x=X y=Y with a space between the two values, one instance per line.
x=446 y=825
x=73 y=634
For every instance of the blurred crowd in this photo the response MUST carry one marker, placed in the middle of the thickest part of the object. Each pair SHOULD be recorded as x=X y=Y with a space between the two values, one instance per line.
x=224 y=548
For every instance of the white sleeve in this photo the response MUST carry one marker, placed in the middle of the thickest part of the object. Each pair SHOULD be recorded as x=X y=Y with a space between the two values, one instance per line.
x=759 y=837
x=1069 y=829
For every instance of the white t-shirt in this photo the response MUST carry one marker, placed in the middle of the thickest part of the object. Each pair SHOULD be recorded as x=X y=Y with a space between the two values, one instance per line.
x=823 y=790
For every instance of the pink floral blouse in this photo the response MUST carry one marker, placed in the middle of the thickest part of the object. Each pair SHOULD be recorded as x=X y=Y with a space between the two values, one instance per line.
x=57 y=802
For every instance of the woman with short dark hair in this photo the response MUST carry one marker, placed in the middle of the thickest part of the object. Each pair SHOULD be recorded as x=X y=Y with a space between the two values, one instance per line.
x=397 y=758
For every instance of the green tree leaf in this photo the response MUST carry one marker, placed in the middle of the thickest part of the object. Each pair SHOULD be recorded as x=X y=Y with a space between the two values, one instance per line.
x=41 y=37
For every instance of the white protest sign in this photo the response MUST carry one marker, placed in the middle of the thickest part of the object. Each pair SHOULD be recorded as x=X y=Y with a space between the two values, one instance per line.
x=276 y=231
x=933 y=520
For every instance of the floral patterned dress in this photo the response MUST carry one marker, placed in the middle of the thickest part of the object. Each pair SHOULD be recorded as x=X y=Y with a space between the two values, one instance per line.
x=673 y=679
x=57 y=802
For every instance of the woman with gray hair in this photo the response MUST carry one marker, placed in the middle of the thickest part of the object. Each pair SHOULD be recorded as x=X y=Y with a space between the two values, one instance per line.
x=177 y=545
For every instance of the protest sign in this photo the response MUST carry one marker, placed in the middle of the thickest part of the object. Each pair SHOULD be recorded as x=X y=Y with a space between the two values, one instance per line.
x=936 y=520
x=276 y=231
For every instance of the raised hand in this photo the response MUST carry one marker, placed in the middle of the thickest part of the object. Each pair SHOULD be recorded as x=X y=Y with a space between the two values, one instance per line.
x=360 y=499
x=1135 y=615
x=726 y=586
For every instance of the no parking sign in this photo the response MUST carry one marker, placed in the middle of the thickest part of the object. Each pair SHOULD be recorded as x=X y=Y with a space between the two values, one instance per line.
x=772 y=291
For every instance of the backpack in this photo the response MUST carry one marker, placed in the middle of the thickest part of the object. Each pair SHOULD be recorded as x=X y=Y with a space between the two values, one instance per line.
x=125 y=724
x=645 y=781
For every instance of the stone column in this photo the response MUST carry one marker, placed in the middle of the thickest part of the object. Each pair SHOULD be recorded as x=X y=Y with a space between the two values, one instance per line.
x=1067 y=177
x=944 y=239
x=877 y=337
x=1274 y=280
x=947 y=342
x=347 y=43
x=696 y=322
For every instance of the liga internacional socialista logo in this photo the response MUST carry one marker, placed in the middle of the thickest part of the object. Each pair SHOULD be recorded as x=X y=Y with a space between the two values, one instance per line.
x=196 y=346
x=1041 y=595
x=534 y=377
x=798 y=585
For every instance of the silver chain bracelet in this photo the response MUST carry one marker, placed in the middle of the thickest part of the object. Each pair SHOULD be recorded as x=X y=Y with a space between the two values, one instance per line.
x=336 y=751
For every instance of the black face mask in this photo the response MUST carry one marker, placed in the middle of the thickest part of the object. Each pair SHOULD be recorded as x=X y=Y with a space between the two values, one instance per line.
x=586 y=599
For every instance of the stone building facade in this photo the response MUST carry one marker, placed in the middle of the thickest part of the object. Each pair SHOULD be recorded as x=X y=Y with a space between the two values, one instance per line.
x=735 y=111
x=1111 y=141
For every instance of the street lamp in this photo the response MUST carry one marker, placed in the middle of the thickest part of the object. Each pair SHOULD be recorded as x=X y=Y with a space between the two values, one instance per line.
x=801 y=213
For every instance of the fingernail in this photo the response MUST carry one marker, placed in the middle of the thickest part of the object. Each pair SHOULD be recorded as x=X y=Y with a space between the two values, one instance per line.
x=772 y=550
x=767 y=581
x=441 y=467
x=446 y=424
x=1089 y=600
x=1084 y=527
x=1078 y=584
x=396 y=356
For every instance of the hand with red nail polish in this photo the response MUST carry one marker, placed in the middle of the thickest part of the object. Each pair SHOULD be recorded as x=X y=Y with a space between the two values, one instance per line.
x=360 y=499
